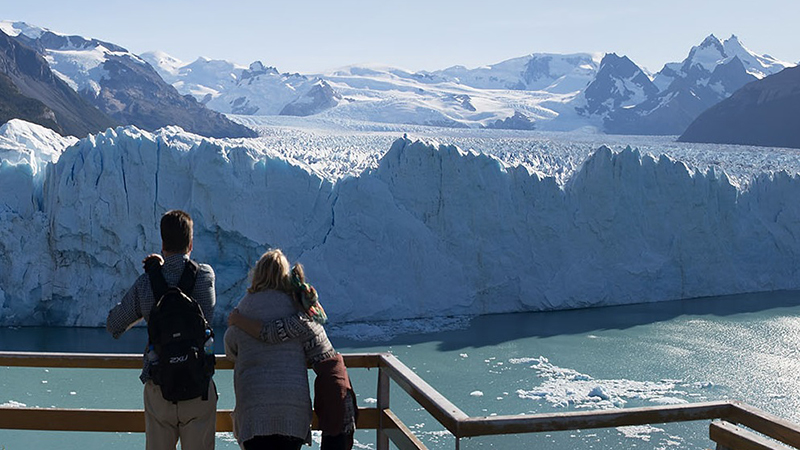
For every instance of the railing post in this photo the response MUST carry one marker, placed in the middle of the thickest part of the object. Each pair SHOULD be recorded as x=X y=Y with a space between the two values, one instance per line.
x=383 y=404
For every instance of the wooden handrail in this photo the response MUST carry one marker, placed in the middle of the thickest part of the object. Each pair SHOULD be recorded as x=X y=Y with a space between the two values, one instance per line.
x=399 y=433
x=766 y=423
x=118 y=420
x=429 y=398
x=383 y=419
x=134 y=361
x=530 y=423
x=728 y=435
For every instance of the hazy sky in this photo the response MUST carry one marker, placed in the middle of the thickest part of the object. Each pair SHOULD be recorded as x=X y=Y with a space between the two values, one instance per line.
x=316 y=36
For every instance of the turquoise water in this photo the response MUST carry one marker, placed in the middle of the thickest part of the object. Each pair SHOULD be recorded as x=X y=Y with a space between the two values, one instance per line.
x=742 y=347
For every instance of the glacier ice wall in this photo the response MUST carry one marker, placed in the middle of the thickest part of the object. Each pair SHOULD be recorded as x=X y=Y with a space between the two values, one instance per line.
x=431 y=231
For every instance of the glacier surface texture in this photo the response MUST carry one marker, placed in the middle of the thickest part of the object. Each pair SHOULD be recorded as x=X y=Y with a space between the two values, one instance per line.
x=429 y=230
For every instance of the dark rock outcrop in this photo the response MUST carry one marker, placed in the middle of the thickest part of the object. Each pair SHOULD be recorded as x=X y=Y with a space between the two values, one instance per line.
x=518 y=121
x=765 y=112
x=320 y=97
x=135 y=94
x=132 y=92
x=29 y=90
x=618 y=83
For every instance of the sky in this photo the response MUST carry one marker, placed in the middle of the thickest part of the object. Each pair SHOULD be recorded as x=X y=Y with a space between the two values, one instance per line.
x=319 y=36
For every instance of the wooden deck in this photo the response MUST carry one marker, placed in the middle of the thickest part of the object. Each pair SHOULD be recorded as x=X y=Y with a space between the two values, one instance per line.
x=732 y=425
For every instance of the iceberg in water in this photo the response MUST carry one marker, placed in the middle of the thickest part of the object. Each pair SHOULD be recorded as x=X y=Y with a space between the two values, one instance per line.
x=430 y=231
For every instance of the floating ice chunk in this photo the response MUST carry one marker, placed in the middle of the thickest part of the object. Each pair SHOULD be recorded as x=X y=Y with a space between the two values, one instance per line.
x=522 y=360
x=599 y=392
x=668 y=401
x=228 y=436
x=13 y=404
x=564 y=387
x=643 y=432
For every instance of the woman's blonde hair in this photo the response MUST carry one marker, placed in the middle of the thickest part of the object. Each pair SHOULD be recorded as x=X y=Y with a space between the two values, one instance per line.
x=272 y=271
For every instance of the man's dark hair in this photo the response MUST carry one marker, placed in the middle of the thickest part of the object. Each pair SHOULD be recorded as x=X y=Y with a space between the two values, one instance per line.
x=176 y=231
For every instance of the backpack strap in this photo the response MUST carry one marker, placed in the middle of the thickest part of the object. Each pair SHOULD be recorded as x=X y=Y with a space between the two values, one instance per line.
x=157 y=282
x=188 y=277
x=186 y=284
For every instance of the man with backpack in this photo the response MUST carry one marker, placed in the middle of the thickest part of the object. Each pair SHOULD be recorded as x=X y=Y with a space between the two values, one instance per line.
x=176 y=297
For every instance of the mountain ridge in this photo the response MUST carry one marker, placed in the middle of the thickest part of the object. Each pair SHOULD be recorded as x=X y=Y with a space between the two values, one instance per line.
x=551 y=92
x=120 y=84
x=30 y=90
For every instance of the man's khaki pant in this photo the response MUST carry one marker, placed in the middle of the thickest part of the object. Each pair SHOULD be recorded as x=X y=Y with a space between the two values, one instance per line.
x=192 y=421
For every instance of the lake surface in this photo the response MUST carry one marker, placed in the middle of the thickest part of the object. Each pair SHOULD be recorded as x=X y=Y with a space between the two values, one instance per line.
x=742 y=347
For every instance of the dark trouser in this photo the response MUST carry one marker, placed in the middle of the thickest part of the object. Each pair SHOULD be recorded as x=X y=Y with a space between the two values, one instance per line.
x=342 y=441
x=273 y=442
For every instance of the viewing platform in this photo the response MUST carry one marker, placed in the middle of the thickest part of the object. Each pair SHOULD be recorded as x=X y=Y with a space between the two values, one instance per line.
x=733 y=425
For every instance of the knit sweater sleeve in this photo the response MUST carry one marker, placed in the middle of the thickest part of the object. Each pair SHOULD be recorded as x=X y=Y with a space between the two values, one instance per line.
x=316 y=344
x=318 y=348
x=285 y=329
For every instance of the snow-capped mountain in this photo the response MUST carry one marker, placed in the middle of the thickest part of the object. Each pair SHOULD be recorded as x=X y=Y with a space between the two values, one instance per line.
x=390 y=95
x=712 y=71
x=31 y=91
x=120 y=84
x=515 y=93
x=204 y=78
x=704 y=59
x=253 y=90
x=558 y=74
x=265 y=91
x=619 y=83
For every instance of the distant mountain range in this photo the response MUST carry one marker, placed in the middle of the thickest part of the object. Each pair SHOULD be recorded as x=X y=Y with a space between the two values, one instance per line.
x=115 y=85
x=608 y=93
x=677 y=94
x=543 y=91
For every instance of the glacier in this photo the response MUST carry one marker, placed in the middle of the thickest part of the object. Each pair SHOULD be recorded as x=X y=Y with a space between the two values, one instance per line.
x=421 y=230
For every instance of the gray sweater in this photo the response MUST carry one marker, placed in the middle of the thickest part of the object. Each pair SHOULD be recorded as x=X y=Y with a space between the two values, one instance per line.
x=270 y=380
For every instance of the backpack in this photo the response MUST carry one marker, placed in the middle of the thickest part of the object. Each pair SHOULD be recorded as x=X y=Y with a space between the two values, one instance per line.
x=178 y=331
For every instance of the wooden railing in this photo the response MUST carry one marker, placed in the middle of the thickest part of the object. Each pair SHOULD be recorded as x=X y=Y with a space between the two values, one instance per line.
x=767 y=432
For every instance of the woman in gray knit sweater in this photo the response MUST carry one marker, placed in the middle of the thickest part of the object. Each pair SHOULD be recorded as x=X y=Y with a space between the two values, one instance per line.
x=273 y=406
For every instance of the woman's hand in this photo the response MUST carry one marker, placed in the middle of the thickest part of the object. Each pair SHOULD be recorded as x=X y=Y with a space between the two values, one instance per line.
x=246 y=324
x=234 y=317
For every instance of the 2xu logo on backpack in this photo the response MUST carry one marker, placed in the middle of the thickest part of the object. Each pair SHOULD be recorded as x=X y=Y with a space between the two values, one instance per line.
x=180 y=337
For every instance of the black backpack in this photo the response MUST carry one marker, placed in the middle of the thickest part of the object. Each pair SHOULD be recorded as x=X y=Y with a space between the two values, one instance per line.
x=178 y=330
